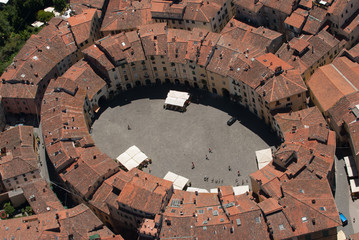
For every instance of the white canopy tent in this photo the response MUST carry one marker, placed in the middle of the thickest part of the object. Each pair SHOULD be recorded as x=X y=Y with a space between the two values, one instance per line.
x=176 y=99
x=238 y=190
x=351 y=167
x=264 y=157
x=213 y=190
x=194 y=189
x=179 y=182
x=132 y=158
x=354 y=185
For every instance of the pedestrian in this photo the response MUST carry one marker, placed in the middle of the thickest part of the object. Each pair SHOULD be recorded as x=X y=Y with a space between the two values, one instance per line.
x=209 y=150
x=206 y=157
x=192 y=165
x=149 y=170
x=128 y=127
x=239 y=173
x=229 y=168
x=222 y=181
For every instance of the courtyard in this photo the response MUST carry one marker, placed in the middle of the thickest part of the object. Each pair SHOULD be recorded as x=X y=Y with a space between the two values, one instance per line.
x=174 y=140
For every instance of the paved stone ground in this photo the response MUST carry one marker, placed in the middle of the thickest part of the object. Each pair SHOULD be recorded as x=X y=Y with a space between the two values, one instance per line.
x=349 y=208
x=174 y=140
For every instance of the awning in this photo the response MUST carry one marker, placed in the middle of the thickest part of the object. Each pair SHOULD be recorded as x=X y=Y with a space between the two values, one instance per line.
x=240 y=190
x=264 y=157
x=354 y=185
x=132 y=158
x=177 y=98
x=194 y=189
x=351 y=167
x=179 y=182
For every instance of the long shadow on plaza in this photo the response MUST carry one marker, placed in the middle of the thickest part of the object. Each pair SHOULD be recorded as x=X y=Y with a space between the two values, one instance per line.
x=246 y=118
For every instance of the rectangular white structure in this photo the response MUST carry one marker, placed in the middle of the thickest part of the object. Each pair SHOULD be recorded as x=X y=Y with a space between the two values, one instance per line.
x=351 y=167
x=264 y=157
x=354 y=185
x=194 y=189
x=179 y=182
x=240 y=190
x=213 y=190
x=132 y=158
x=176 y=98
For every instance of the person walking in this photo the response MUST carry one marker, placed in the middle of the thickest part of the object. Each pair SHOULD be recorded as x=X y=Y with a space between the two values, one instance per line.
x=192 y=165
x=207 y=157
x=229 y=168
x=239 y=173
x=128 y=127
x=209 y=150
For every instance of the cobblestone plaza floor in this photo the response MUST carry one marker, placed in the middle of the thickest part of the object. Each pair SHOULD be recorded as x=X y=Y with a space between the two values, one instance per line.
x=174 y=140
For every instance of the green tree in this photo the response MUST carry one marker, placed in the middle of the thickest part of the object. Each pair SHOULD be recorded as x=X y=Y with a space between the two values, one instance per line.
x=9 y=209
x=43 y=16
x=59 y=5
x=28 y=210
x=5 y=28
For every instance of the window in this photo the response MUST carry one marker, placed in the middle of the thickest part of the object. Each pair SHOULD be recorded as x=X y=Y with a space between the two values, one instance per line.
x=154 y=68
x=164 y=69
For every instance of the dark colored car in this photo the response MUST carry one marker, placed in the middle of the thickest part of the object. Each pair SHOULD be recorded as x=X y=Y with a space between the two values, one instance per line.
x=231 y=121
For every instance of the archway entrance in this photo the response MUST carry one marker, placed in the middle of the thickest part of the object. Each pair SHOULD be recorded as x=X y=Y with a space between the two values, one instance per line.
x=102 y=101
x=225 y=93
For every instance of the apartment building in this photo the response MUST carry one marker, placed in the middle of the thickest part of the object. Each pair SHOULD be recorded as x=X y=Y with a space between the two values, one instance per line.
x=83 y=75
x=18 y=148
x=333 y=81
x=45 y=56
x=308 y=52
x=342 y=118
x=78 y=222
x=268 y=13
x=85 y=27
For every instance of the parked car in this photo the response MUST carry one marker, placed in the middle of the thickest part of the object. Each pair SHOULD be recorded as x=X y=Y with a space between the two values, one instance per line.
x=343 y=219
x=231 y=121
